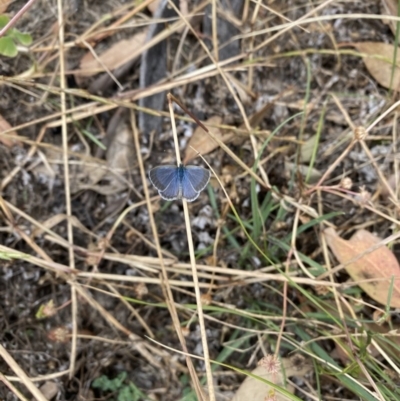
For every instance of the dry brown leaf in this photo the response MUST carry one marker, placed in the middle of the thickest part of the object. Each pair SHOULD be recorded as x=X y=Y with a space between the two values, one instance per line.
x=313 y=175
x=202 y=142
x=5 y=126
x=116 y=56
x=308 y=147
x=392 y=343
x=342 y=350
x=256 y=390
x=3 y=5
x=152 y=7
x=49 y=390
x=379 y=62
x=121 y=150
x=380 y=265
x=86 y=176
x=389 y=7
x=120 y=153
x=393 y=182
x=387 y=337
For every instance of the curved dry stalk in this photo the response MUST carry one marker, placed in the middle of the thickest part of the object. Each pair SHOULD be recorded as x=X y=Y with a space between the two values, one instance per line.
x=64 y=132
x=210 y=382
x=21 y=374
x=164 y=280
x=17 y=16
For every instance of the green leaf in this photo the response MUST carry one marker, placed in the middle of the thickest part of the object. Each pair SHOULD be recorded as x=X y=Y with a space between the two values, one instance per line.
x=23 y=38
x=8 y=47
x=3 y=21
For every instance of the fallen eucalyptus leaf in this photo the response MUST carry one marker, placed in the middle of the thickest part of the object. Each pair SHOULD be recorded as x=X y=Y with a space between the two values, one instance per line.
x=378 y=267
x=202 y=142
x=114 y=57
x=5 y=126
x=256 y=390
x=393 y=182
x=49 y=390
x=379 y=62
x=308 y=148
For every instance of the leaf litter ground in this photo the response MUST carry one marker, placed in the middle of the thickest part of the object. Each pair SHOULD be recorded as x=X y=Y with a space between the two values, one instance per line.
x=250 y=312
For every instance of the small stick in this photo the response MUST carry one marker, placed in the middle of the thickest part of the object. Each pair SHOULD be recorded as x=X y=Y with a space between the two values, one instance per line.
x=16 y=17
x=200 y=313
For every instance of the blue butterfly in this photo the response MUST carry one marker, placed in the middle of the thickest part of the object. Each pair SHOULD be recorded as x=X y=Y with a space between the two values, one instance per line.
x=183 y=182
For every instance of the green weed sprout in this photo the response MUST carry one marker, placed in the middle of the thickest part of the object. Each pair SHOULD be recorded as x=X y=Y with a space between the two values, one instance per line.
x=8 y=43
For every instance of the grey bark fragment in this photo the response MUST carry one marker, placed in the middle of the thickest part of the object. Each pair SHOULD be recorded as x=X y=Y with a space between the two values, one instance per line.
x=153 y=69
x=226 y=30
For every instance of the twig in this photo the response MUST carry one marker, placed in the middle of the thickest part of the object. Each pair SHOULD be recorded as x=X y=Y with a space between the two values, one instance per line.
x=74 y=304
x=21 y=374
x=164 y=280
x=16 y=17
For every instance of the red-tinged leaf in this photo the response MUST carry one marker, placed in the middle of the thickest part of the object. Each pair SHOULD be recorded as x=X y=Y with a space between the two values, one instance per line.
x=379 y=62
x=374 y=271
x=6 y=140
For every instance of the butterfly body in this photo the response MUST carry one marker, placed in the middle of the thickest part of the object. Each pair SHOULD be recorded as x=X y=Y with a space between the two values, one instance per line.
x=179 y=182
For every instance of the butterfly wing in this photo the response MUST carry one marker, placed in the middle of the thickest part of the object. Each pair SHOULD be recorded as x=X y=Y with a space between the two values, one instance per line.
x=198 y=177
x=162 y=176
x=173 y=190
x=166 y=180
x=188 y=191
x=194 y=180
x=179 y=182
